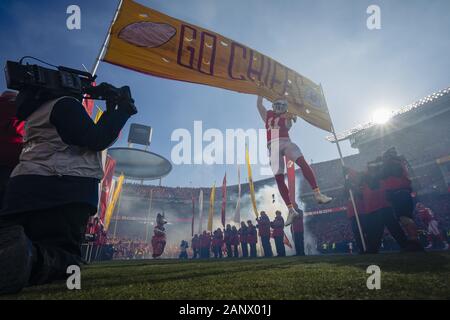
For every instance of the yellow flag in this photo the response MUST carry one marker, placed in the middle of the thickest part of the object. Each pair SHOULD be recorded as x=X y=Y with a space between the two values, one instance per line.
x=148 y=41
x=110 y=209
x=250 y=182
x=211 y=207
x=98 y=115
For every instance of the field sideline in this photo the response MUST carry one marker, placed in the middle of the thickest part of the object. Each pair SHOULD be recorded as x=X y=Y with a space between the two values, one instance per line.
x=404 y=276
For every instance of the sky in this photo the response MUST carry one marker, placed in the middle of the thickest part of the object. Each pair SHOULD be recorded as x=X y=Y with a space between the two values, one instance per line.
x=361 y=70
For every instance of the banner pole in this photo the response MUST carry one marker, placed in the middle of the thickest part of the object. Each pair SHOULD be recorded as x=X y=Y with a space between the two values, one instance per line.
x=105 y=42
x=148 y=217
x=117 y=214
x=352 y=198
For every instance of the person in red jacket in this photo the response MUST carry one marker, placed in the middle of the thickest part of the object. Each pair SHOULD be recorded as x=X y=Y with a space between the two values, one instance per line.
x=235 y=241
x=159 y=236
x=379 y=211
x=264 y=232
x=252 y=238
x=217 y=242
x=278 y=233
x=297 y=231
x=195 y=246
x=243 y=233
x=12 y=131
x=398 y=187
x=205 y=245
x=227 y=238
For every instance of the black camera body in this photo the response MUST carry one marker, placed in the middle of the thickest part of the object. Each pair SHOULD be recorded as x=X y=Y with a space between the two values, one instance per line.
x=63 y=81
x=66 y=81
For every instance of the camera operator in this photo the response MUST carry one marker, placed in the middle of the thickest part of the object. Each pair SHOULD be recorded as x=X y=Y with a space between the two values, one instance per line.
x=11 y=138
x=54 y=189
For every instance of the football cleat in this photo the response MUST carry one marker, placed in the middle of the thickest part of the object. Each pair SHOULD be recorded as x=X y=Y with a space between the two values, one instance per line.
x=321 y=198
x=291 y=216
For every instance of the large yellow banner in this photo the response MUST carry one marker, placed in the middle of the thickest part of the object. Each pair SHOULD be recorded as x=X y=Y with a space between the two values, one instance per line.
x=115 y=198
x=150 y=42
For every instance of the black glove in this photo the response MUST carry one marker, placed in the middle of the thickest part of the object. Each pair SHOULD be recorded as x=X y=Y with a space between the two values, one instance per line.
x=115 y=97
x=126 y=102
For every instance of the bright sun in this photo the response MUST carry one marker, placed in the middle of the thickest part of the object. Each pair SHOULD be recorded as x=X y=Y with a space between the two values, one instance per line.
x=381 y=116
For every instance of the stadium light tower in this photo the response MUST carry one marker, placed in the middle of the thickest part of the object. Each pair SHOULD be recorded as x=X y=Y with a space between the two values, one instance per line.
x=381 y=116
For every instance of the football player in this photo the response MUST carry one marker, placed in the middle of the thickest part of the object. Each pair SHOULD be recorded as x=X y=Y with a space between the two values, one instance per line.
x=428 y=219
x=278 y=122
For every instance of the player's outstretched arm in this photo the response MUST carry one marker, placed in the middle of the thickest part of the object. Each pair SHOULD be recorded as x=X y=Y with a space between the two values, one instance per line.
x=261 y=109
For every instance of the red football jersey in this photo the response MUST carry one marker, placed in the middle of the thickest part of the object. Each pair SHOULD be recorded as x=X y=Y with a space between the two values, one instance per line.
x=276 y=126
x=426 y=215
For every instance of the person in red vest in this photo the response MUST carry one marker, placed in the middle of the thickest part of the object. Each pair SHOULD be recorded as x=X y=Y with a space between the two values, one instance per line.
x=398 y=187
x=227 y=239
x=264 y=232
x=12 y=131
x=297 y=231
x=278 y=233
x=252 y=238
x=235 y=241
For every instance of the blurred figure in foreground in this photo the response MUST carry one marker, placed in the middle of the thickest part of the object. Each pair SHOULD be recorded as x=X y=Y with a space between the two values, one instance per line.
x=11 y=138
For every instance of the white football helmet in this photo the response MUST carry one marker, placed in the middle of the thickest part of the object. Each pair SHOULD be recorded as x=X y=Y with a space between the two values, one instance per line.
x=280 y=106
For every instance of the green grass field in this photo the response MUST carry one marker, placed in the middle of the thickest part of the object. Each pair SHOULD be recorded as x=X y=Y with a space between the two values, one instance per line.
x=404 y=276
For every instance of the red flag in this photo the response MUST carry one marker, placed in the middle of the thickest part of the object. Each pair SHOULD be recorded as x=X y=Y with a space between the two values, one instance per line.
x=291 y=180
x=88 y=104
x=287 y=242
x=106 y=186
x=224 y=198
x=193 y=215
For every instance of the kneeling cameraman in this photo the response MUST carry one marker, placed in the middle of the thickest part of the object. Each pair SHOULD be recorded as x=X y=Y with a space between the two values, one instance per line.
x=54 y=189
